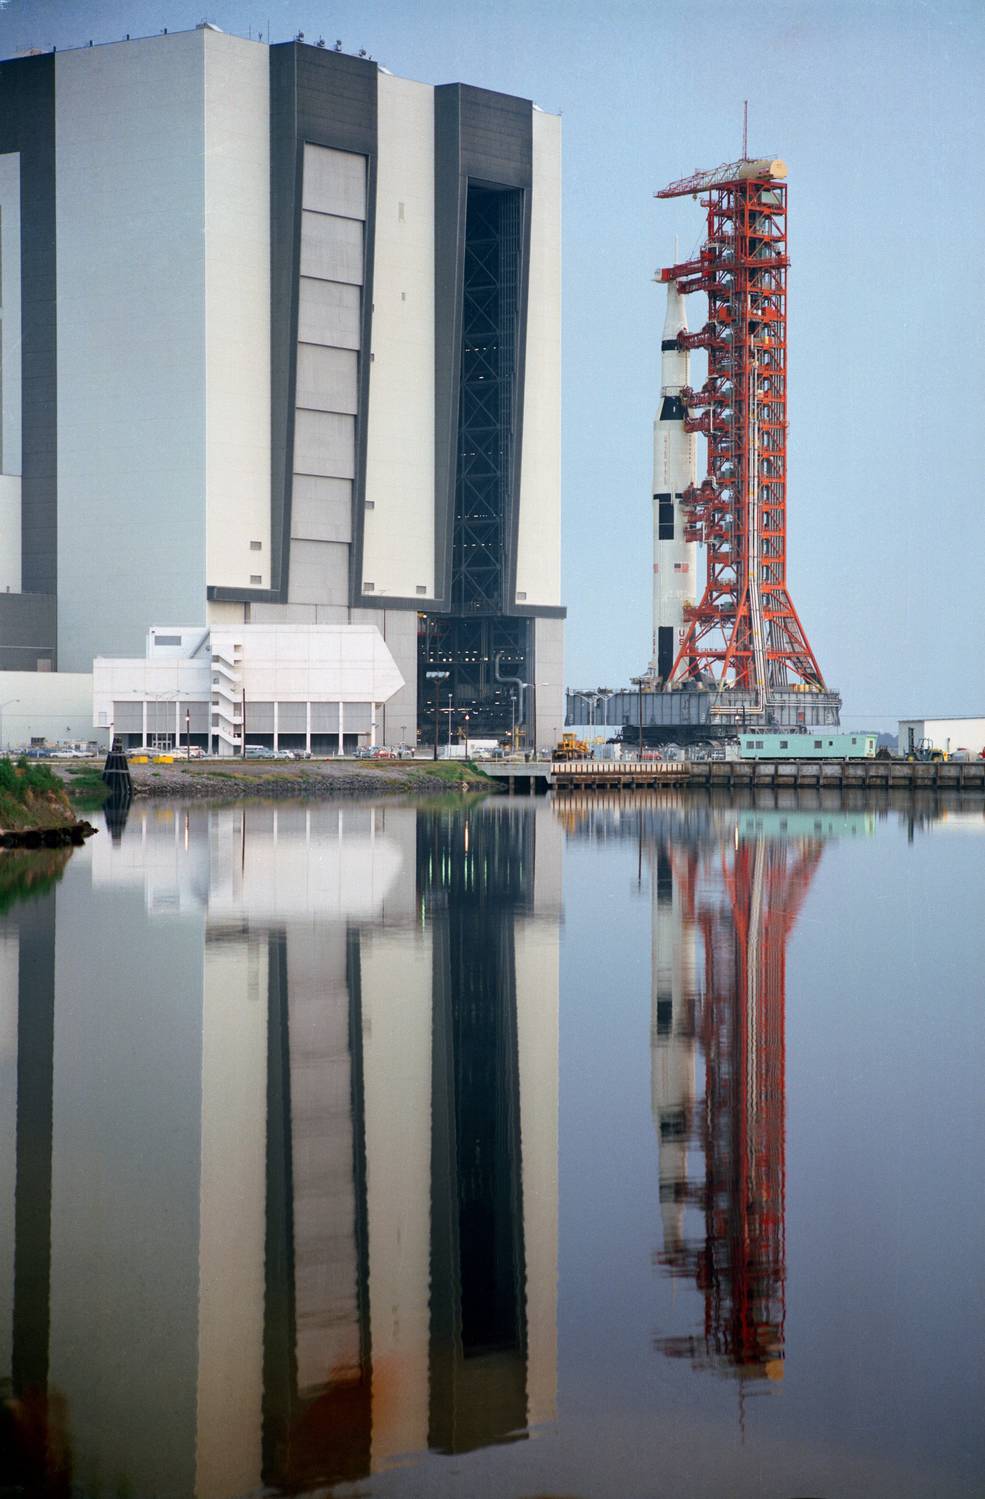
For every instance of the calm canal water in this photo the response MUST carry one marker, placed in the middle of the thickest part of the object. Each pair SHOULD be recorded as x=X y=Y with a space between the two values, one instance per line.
x=618 y=1148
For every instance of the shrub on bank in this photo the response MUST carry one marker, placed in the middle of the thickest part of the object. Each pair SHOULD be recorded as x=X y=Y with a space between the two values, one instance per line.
x=31 y=794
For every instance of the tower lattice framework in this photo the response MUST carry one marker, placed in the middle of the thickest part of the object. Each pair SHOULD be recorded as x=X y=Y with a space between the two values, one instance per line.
x=744 y=632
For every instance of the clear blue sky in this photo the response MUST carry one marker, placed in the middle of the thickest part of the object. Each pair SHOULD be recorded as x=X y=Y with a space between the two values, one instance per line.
x=878 y=107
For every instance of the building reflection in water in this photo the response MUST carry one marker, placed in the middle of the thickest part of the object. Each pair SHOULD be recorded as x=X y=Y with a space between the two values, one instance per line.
x=727 y=887
x=285 y=1167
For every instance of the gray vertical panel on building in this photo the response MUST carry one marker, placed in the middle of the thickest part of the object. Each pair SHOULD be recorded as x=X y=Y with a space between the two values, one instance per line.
x=259 y=717
x=321 y=98
x=292 y=718
x=128 y=717
x=27 y=631
x=27 y=125
x=358 y=718
x=324 y=718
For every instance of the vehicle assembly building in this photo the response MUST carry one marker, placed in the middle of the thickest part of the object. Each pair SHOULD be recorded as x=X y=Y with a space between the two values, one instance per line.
x=280 y=345
x=736 y=654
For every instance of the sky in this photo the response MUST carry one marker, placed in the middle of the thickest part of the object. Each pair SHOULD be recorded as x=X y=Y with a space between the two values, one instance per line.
x=878 y=108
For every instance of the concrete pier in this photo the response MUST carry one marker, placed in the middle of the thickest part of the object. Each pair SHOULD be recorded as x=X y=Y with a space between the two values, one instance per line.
x=635 y=775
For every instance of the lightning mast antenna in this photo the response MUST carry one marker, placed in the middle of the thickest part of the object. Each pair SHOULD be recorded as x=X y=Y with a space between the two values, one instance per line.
x=743 y=636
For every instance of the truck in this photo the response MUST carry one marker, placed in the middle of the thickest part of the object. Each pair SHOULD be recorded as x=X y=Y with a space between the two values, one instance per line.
x=571 y=748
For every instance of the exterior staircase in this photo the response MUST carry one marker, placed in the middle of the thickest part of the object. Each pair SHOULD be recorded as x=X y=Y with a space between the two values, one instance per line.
x=227 y=710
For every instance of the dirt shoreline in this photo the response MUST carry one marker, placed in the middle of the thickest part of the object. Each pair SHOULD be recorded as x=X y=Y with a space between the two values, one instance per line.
x=223 y=780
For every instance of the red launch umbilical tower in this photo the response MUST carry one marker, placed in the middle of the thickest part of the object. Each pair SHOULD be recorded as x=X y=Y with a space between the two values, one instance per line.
x=743 y=636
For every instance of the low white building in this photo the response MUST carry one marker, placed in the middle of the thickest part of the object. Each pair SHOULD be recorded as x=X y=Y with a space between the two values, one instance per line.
x=948 y=734
x=318 y=688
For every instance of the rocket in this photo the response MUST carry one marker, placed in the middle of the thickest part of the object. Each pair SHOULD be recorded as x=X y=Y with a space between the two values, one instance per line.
x=674 y=468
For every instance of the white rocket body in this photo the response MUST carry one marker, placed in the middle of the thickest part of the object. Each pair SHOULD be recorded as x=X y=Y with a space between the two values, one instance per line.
x=674 y=468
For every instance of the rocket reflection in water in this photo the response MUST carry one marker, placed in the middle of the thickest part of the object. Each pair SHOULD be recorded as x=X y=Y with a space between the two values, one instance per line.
x=724 y=907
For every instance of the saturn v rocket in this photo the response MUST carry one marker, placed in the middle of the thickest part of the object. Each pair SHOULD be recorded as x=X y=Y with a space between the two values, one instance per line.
x=674 y=468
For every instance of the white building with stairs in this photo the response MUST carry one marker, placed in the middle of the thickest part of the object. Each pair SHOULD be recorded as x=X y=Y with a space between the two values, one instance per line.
x=319 y=689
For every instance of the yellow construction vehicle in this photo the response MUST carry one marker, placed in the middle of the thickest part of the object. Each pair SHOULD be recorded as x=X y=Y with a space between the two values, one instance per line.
x=571 y=748
x=927 y=750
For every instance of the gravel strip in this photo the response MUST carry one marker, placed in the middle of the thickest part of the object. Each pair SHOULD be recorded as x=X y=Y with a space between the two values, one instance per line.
x=290 y=779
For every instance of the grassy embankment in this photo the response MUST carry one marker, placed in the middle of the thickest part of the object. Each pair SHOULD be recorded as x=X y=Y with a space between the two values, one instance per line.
x=31 y=796
x=87 y=790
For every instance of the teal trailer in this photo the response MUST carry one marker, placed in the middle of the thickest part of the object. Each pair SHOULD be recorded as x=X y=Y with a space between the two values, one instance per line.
x=809 y=746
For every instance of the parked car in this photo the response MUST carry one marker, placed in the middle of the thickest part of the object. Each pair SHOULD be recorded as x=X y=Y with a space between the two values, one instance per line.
x=384 y=752
x=285 y=754
x=364 y=752
x=258 y=752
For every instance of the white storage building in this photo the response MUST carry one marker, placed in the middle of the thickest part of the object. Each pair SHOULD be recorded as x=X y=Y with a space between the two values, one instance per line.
x=946 y=734
x=316 y=688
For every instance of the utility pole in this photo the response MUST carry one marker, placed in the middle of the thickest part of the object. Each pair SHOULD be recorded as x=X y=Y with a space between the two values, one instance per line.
x=638 y=684
x=436 y=677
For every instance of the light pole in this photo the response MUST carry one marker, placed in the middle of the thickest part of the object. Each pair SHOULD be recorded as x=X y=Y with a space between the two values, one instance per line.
x=638 y=684
x=450 y=696
x=436 y=677
x=8 y=704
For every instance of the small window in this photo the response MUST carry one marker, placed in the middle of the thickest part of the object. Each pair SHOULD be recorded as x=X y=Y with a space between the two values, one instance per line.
x=369 y=588
x=370 y=504
x=256 y=546
x=784 y=744
x=521 y=596
x=167 y=639
x=854 y=741
x=759 y=744
x=256 y=578
x=818 y=744
x=421 y=588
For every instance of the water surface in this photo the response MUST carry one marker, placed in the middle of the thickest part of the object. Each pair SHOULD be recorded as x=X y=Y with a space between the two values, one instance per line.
x=614 y=1148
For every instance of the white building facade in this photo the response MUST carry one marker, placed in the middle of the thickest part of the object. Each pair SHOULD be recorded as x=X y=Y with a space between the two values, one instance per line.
x=315 y=688
x=281 y=343
x=946 y=734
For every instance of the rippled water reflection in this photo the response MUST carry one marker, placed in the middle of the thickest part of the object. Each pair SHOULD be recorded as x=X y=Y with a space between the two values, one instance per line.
x=618 y=1148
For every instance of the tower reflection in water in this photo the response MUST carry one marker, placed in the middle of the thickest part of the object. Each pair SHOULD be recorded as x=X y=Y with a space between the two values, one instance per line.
x=727 y=887
x=286 y=1178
